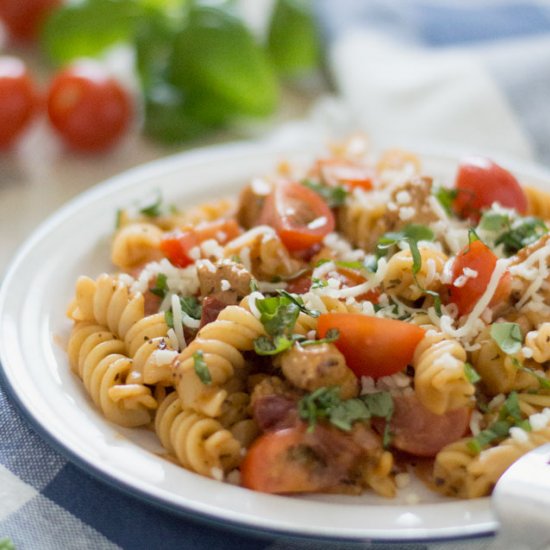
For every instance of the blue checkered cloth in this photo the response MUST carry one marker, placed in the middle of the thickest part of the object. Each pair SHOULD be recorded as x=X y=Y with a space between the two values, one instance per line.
x=388 y=58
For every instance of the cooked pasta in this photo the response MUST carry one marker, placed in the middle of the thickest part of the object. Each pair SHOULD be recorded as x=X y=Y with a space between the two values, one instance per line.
x=440 y=378
x=327 y=327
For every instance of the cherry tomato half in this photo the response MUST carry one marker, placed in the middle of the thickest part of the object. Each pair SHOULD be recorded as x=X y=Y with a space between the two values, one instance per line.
x=345 y=172
x=89 y=109
x=372 y=346
x=478 y=257
x=299 y=215
x=177 y=246
x=18 y=99
x=480 y=182
x=24 y=18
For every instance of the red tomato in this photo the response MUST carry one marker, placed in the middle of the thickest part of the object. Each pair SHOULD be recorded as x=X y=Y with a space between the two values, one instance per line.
x=176 y=246
x=18 y=99
x=476 y=256
x=480 y=182
x=299 y=285
x=350 y=277
x=298 y=214
x=23 y=18
x=294 y=460
x=88 y=108
x=372 y=346
x=420 y=432
x=342 y=172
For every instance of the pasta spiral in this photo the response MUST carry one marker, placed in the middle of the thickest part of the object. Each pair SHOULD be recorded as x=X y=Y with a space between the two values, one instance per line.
x=362 y=224
x=440 y=377
x=458 y=471
x=538 y=341
x=107 y=302
x=538 y=202
x=152 y=362
x=399 y=279
x=99 y=359
x=136 y=244
x=147 y=328
x=221 y=343
x=200 y=444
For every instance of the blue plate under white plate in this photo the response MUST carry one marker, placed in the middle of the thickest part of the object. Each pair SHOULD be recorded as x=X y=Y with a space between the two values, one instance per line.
x=34 y=329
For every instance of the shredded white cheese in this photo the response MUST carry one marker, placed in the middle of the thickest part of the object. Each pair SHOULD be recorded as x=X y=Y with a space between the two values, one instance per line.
x=177 y=314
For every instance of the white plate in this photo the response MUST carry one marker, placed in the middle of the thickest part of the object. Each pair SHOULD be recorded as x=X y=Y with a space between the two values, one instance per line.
x=34 y=297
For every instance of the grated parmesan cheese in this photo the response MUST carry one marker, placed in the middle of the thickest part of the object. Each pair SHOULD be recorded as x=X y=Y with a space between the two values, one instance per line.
x=519 y=435
x=178 y=321
x=539 y=421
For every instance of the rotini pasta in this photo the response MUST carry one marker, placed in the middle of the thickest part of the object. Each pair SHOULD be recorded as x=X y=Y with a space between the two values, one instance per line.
x=329 y=321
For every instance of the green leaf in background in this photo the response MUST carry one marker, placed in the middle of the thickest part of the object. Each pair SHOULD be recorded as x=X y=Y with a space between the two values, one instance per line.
x=216 y=56
x=292 y=41
x=6 y=544
x=87 y=28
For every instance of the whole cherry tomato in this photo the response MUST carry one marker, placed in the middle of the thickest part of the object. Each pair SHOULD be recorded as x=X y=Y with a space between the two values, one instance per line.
x=24 y=18
x=18 y=99
x=89 y=109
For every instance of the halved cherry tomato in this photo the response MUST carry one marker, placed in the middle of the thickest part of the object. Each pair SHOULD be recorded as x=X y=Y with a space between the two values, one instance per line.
x=298 y=214
x=345 y=172
x=18 y=99
x=176 y=246
x=372 y=346
x=294 y=460
x=478 y=257
x=350 y=277
x=24 y=18
x=480 y=182
x=420 y=432
x=89 y=109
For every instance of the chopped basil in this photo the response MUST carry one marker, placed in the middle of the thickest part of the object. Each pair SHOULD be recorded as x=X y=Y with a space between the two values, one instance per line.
x=445 y=196
x=494 y=221
x=333 y=195
x=191 y=306
x=161 y=286
x=508 y=417
x=272 y=346
x=325 y=403
x=318 y=283
x=437 y=300
x=410 y=233
x=299 y=302
x=507 y=337
x=522 y=233
x=471 y=374
x=544 y=383
x=201 y=368
x=253 y=285
x=278 y=314
x=169 y=318
x=153 y=210
x=332 y=335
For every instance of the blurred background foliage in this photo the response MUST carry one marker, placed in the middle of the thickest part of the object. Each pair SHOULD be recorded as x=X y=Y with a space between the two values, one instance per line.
x=200 y=66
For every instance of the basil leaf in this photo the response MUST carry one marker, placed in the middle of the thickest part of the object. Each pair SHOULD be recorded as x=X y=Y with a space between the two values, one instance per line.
x=6 y=544
x=333 y=195
x=318 y=283
x=278 y=314
x=347 y=412
x=332 y=335
x=544 y=383
x=264 y=345
x=471 y=374
x=191 y=306
x=524 y=232
x=87 y=28
x=153 y=210
x=161 y=286
x=318 y=404
x=201 y=368
x=507 y=337
x=216 y=57
x=446 y=198
x=497 y=431
x=292 y=40
x=493 y=221
x=436 y=297
x=379 y=404
x=410 y=233
x=416 y=257
x=299 y=302
x=169 y=318
x=510 y=408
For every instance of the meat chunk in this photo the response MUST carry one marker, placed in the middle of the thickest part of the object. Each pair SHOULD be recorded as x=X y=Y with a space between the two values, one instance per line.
x=251 y=202
x=274 y=404
x=319 y=365
x=226 y=281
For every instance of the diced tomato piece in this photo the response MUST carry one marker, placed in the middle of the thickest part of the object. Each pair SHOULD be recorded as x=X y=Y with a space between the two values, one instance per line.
x=294 y=460
x=345 y=172
x=480 y=182
x=478 y=257
x=299 y=285
x=351 y=277
x=372 y=346
x=299 y=215
x=420 y=432
x=176 y=246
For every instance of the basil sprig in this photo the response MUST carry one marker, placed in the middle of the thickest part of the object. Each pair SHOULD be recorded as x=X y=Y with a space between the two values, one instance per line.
x=507 y=336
